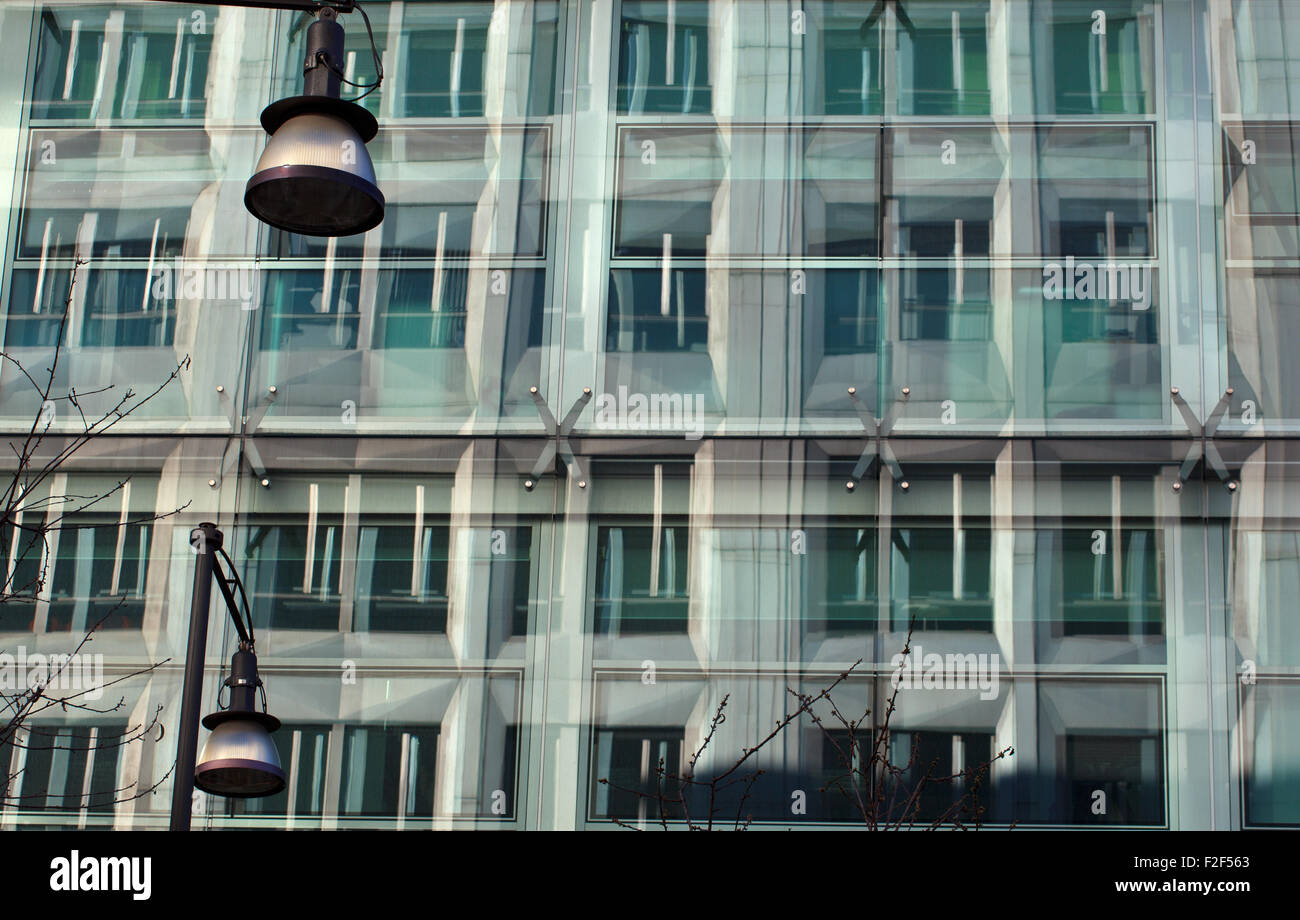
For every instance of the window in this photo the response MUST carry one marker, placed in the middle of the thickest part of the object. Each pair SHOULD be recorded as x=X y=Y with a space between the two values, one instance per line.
x=293 y=573
x=97 y=61
x=389 y=771
x=943 y=58
x=99 y=572
x=852 y=62
x=850 y=563
x=137 y=194
x=941 y=568
x=663 y=57
x=654 y=311
x=1106 y=582
x=938 y=754
x=852 y=314
x=71 y=768
x=1115 y=779
x=1101 y=757
x=1094 y=57
x=641 y=579
x=1096 y=192
x=402 y=577
x=629 y=759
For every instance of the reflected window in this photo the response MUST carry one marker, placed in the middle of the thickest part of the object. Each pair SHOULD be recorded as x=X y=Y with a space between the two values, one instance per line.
x=511 y=579
x=851 y=59
x=665 y=202
x=22 y=551
x=663 y=57
x=70 y=768
x=697 y=192
x=136 y=194
x=1105 y=582
x=942 y=578
x=100 y=61
x=99 y=573
x=1094 y=57
x=641 y=579
x=849 y=567
x=1261 y=175
x=402 y=578
x=840 y=192
x=943 y=57
x=629 y=759
x=852 y=312
x=1096 y=191
x=655 y=311
x=1263 y=325
x=1101 y=340
x=941 y=567
x=389 y=771
x=1259 y=39
x=399 y=570
x=440 y=60
x=935 y=209
x=293 y=573
x=118 y=310
x=445 y=66
x=1266 y=628
x=926 y=757
x=303 y=312
x=1119 y=772
x=410 y=340
x=1101 y=755
x=946 y=304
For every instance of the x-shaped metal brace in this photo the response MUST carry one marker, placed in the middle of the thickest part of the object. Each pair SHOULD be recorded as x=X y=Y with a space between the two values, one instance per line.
x=558 y=443
x=877 y=446
x=1203 y=440
x=229 y=457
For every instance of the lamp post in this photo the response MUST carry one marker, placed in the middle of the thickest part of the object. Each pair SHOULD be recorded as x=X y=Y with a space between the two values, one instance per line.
x=240 y=759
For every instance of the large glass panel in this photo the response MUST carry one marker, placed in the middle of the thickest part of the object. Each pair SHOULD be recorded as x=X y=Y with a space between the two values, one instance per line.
x=147 y=62
x=1094 y=58
x=664 y=55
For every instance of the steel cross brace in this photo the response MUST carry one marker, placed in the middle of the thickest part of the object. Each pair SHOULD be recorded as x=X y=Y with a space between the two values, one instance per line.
x=1203 y=443
x=230 y=458
x=558 y=434
x=877 y=446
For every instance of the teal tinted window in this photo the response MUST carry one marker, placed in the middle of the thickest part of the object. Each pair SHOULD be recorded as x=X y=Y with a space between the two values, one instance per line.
x=1100 y=56
x=663 y=57
x=134 y=63
x=943 y=58
x=641 y=579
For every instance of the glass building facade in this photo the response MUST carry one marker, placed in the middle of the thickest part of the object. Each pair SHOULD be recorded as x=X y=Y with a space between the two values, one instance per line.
x=704 y=349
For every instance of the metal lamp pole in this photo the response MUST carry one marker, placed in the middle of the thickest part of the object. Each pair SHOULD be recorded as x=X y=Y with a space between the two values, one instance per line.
x=206 y=540
x=240 y=759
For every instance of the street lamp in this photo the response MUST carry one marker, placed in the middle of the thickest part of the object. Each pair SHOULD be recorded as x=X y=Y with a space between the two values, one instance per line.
x=315 y=176
x=239 y=760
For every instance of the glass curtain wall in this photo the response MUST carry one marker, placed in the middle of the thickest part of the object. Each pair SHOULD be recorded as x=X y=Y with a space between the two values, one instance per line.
x=706 y=350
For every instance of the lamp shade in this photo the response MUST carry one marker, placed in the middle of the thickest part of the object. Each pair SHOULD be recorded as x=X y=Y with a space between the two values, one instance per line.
x=240 y=759
x=315 y=176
